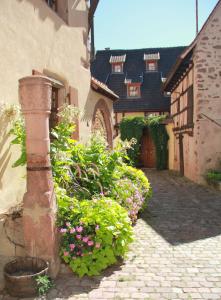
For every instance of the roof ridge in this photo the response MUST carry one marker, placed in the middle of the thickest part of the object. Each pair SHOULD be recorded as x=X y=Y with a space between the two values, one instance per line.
x=140 y=49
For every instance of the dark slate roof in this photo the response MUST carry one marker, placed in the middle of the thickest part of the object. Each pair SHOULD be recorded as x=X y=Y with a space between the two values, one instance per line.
x=152 y=98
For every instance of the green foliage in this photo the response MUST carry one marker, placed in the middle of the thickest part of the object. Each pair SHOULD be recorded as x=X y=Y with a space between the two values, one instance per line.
x=18 y=130
x=132 y=190
x=44 y=283
x=160 y=137
x=94 y=233
x=139 y=178
x=132 y=127
x=213 y=176
x=84 y=170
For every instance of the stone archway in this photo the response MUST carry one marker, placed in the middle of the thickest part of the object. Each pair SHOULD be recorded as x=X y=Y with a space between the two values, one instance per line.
x=102 y=121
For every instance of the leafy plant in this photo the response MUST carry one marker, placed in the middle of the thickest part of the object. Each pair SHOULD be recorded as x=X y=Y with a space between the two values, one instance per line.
x=94 y=233
x=18 y=130
x=44 y=283
x=213 y=176
x=139 y=179
x=160 y=137
x=132 y=127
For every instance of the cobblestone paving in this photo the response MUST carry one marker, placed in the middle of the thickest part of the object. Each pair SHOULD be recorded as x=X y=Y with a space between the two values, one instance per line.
x=176 y=253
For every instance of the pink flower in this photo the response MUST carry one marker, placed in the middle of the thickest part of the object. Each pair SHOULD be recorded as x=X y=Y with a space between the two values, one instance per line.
x=68 y=224
x=79 y=229
x=90 y=243
x=97 y=245
x=85 y=239
x=66 y=253
x=72 y=230
x=78 y=236
x=79 y=253
x=72 y=246
x=63 y=230
x=97 y=227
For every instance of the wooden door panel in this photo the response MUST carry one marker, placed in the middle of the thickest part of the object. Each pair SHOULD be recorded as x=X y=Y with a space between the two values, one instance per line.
x=148 y=151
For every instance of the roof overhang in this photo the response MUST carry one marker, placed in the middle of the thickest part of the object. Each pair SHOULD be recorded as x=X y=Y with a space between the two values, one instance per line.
x=92 y=9
x=101 y=88
x=182 y=65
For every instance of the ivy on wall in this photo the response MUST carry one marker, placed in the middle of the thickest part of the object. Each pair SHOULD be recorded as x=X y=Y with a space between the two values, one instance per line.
x=132 y=127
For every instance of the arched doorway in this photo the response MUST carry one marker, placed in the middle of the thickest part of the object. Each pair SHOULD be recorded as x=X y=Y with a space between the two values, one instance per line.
x=102 y=121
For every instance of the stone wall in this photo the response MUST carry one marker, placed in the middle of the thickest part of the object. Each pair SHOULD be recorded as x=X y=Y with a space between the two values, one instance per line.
x=207 y=78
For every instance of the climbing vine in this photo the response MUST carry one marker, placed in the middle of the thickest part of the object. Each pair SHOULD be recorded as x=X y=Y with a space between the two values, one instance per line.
x=132 y=127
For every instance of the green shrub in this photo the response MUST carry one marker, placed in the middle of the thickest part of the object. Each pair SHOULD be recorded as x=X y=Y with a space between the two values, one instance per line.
x=94 y=233
x=139 y=178
x=213 y=176
x=132 y=190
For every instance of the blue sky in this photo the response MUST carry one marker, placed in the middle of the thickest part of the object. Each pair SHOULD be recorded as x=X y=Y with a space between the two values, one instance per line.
x=128 y=24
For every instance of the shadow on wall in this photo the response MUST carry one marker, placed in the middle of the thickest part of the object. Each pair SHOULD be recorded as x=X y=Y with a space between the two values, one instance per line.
x=5 y=153
x=180 y=210
x=78 y=17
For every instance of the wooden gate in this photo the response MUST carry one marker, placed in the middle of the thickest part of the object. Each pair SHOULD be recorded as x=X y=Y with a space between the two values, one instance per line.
x=148 y=151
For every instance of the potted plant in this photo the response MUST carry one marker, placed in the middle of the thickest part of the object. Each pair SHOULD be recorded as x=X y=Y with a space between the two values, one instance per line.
x=22 y=276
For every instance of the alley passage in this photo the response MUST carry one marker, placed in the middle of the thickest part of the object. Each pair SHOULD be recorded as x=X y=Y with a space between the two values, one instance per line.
x=176 y=253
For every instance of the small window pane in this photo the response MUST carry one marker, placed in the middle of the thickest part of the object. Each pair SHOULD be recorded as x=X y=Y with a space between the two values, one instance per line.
x=117 y=68
x=151 y=66
x=134 y=91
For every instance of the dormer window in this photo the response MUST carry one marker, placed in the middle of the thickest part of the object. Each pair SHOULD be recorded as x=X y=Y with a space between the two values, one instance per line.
x=133 y=90
x=117 y=68
x=117 y=63
x=151 y=61
x=151 y=66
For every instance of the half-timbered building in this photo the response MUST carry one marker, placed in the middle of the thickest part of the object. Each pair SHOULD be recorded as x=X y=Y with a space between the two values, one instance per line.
x=195 y=86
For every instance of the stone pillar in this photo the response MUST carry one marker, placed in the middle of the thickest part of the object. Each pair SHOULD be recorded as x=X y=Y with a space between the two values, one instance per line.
x=39 y=214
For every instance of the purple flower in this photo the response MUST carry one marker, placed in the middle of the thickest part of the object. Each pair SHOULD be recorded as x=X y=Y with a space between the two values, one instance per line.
x=63 y=230
x=78 y=236
x=97 y=227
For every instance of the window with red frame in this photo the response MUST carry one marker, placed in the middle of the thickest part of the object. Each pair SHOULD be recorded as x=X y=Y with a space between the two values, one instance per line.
x=133 y=91
x=117 y=68
x=151 y=66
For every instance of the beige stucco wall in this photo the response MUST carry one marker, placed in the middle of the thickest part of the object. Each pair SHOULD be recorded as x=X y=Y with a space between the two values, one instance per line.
x=33 y=36
x=93 y=98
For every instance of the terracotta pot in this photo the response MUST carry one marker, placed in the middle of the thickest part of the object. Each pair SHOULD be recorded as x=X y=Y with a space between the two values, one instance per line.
x=20 y=275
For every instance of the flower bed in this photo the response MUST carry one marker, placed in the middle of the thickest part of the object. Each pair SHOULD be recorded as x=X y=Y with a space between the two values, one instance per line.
x=94 y=234
x=99 y=196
